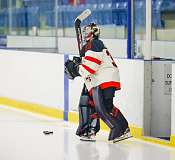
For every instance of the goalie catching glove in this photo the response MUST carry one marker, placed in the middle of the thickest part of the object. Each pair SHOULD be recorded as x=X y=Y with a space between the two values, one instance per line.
x=72 y=67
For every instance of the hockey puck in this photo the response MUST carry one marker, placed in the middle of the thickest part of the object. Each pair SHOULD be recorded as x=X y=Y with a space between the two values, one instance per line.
x=47 y=132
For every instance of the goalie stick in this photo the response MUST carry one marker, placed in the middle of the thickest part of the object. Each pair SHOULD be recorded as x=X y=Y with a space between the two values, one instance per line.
x=78 y=21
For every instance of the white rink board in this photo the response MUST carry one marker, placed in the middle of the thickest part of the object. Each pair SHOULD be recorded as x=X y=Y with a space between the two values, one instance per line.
x=75 y=88
x=32 y=77
x=39 y=78
x=130 y=98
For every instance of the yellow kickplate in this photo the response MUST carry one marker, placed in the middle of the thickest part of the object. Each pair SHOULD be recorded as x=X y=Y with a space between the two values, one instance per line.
x=73 y=117
x=34 y=108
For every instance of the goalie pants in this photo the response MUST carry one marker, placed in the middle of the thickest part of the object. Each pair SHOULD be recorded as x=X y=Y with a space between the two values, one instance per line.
x=111 y=115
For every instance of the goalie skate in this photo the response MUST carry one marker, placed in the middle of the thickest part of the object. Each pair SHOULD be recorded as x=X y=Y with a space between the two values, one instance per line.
x=124 y=136
x=90 y=137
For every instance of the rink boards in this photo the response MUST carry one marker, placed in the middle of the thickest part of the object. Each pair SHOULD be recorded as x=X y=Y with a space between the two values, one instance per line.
x=35 y=82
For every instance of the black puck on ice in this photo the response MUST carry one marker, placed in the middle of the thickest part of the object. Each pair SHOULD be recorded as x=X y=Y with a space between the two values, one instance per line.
x=48 y=132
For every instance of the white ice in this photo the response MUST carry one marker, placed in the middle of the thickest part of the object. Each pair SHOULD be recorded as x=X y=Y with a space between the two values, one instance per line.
x=22 y=138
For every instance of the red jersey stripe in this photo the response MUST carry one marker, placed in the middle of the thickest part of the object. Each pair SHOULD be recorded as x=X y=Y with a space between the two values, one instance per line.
x=110 y=84
x=92 y=59
x=88 y=69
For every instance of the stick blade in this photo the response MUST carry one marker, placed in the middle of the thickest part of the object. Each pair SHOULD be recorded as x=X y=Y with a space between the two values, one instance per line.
x=84 y=15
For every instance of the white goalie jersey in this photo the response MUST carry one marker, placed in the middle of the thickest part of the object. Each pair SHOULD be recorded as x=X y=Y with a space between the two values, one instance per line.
x=99 y=69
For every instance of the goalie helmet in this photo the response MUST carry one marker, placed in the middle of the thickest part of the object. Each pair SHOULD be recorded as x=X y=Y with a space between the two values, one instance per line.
x=90 y=31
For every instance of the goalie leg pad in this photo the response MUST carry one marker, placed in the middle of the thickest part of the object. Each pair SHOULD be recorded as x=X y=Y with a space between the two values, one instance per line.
x=84 y=113
x=84 y=99
x=86 y=119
